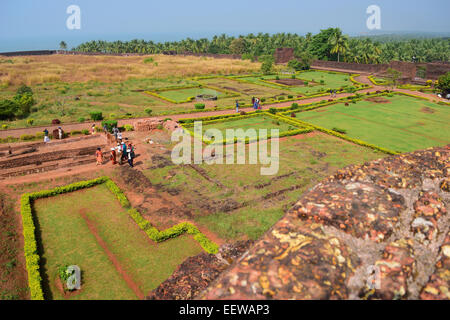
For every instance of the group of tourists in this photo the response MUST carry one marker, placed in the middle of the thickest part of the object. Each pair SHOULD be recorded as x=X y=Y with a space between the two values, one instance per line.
x=333 y=93
x=122 y=152
x=256 y=102
x=60 y=134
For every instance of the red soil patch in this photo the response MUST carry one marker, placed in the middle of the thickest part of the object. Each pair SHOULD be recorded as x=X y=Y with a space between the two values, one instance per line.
x=129 y=281
x=427 y=110
x=378 y=100
x=290 y=82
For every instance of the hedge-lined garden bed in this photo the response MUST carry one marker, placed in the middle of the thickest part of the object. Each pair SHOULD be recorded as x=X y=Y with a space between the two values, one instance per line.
x=32 y=256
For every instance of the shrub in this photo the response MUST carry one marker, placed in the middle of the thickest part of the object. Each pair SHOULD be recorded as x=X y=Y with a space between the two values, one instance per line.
x=8 y=109
x=148 y=111
x=343 y=131
x=281 y=98
x=96 y=115
x=199 y=106
x=81 y=119
x=263 y=99
x=26 y=137
x=322 y=82
x=110 y=124
x=290 y=96
x=39 y=135
x=243 y=113
x=148 y=60
x=85 y=131
x=160 y=127
x=30 y=122
x=23 y=89
x=112 y=116
x=294 y=105
x=295 y=64
x=273 y=110
x=4 y=126
x=75 y=132
x=277 y=78
x=128 y=127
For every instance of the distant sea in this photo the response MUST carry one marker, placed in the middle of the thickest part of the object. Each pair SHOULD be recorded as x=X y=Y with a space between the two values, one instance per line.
x=52 y=42
x=73 y=40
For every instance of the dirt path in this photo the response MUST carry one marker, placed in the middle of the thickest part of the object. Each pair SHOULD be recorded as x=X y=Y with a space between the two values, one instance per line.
x=131 y=284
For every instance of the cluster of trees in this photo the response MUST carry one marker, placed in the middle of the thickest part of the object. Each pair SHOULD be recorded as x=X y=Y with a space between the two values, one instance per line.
x=19 y=106
x=329 y=44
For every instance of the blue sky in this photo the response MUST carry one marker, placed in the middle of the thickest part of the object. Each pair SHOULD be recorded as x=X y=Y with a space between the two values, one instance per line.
x=32 y=24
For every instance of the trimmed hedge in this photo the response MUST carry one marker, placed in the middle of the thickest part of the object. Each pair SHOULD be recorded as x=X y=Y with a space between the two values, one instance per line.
x=225 y=118
x=30 y=244
x=173 y=232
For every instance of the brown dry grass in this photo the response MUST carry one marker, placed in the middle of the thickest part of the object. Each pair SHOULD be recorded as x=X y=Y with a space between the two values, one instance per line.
x=32 y=70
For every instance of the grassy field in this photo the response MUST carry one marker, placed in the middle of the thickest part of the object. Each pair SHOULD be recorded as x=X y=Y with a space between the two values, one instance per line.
x=257 y=123
x=66 y=225
x=304 y=160
x=33 y=70
x=402 y=124
x=69 y=87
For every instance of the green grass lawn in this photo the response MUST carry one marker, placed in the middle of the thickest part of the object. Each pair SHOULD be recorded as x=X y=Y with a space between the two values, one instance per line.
x=66 y=239
x=184 y=94
x=304 y=161
x=404 y=124
x=257 y=123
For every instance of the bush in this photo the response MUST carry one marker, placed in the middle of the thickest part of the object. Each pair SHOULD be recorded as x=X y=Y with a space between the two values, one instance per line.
x=110 y=124
x=39 y=135
x=8 y=109
x=30 y=122
x=4 y=126
x=263 y=99
x=148 y=111
x=81 y=119
x=295 y=64
x=199 y=106
x=23 y=89
x=290 y=96
x=343 y=131
x=128 y=127
x=96 y=115
x=273 y=110
x=85 y=132
x=75 y=132
x=27 y=137
x=148 y=60
x=281 y=98
x=243 y=113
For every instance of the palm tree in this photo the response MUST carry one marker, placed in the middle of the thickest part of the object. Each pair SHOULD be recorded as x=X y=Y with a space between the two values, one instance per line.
x=339 y=43
x=63 y=45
